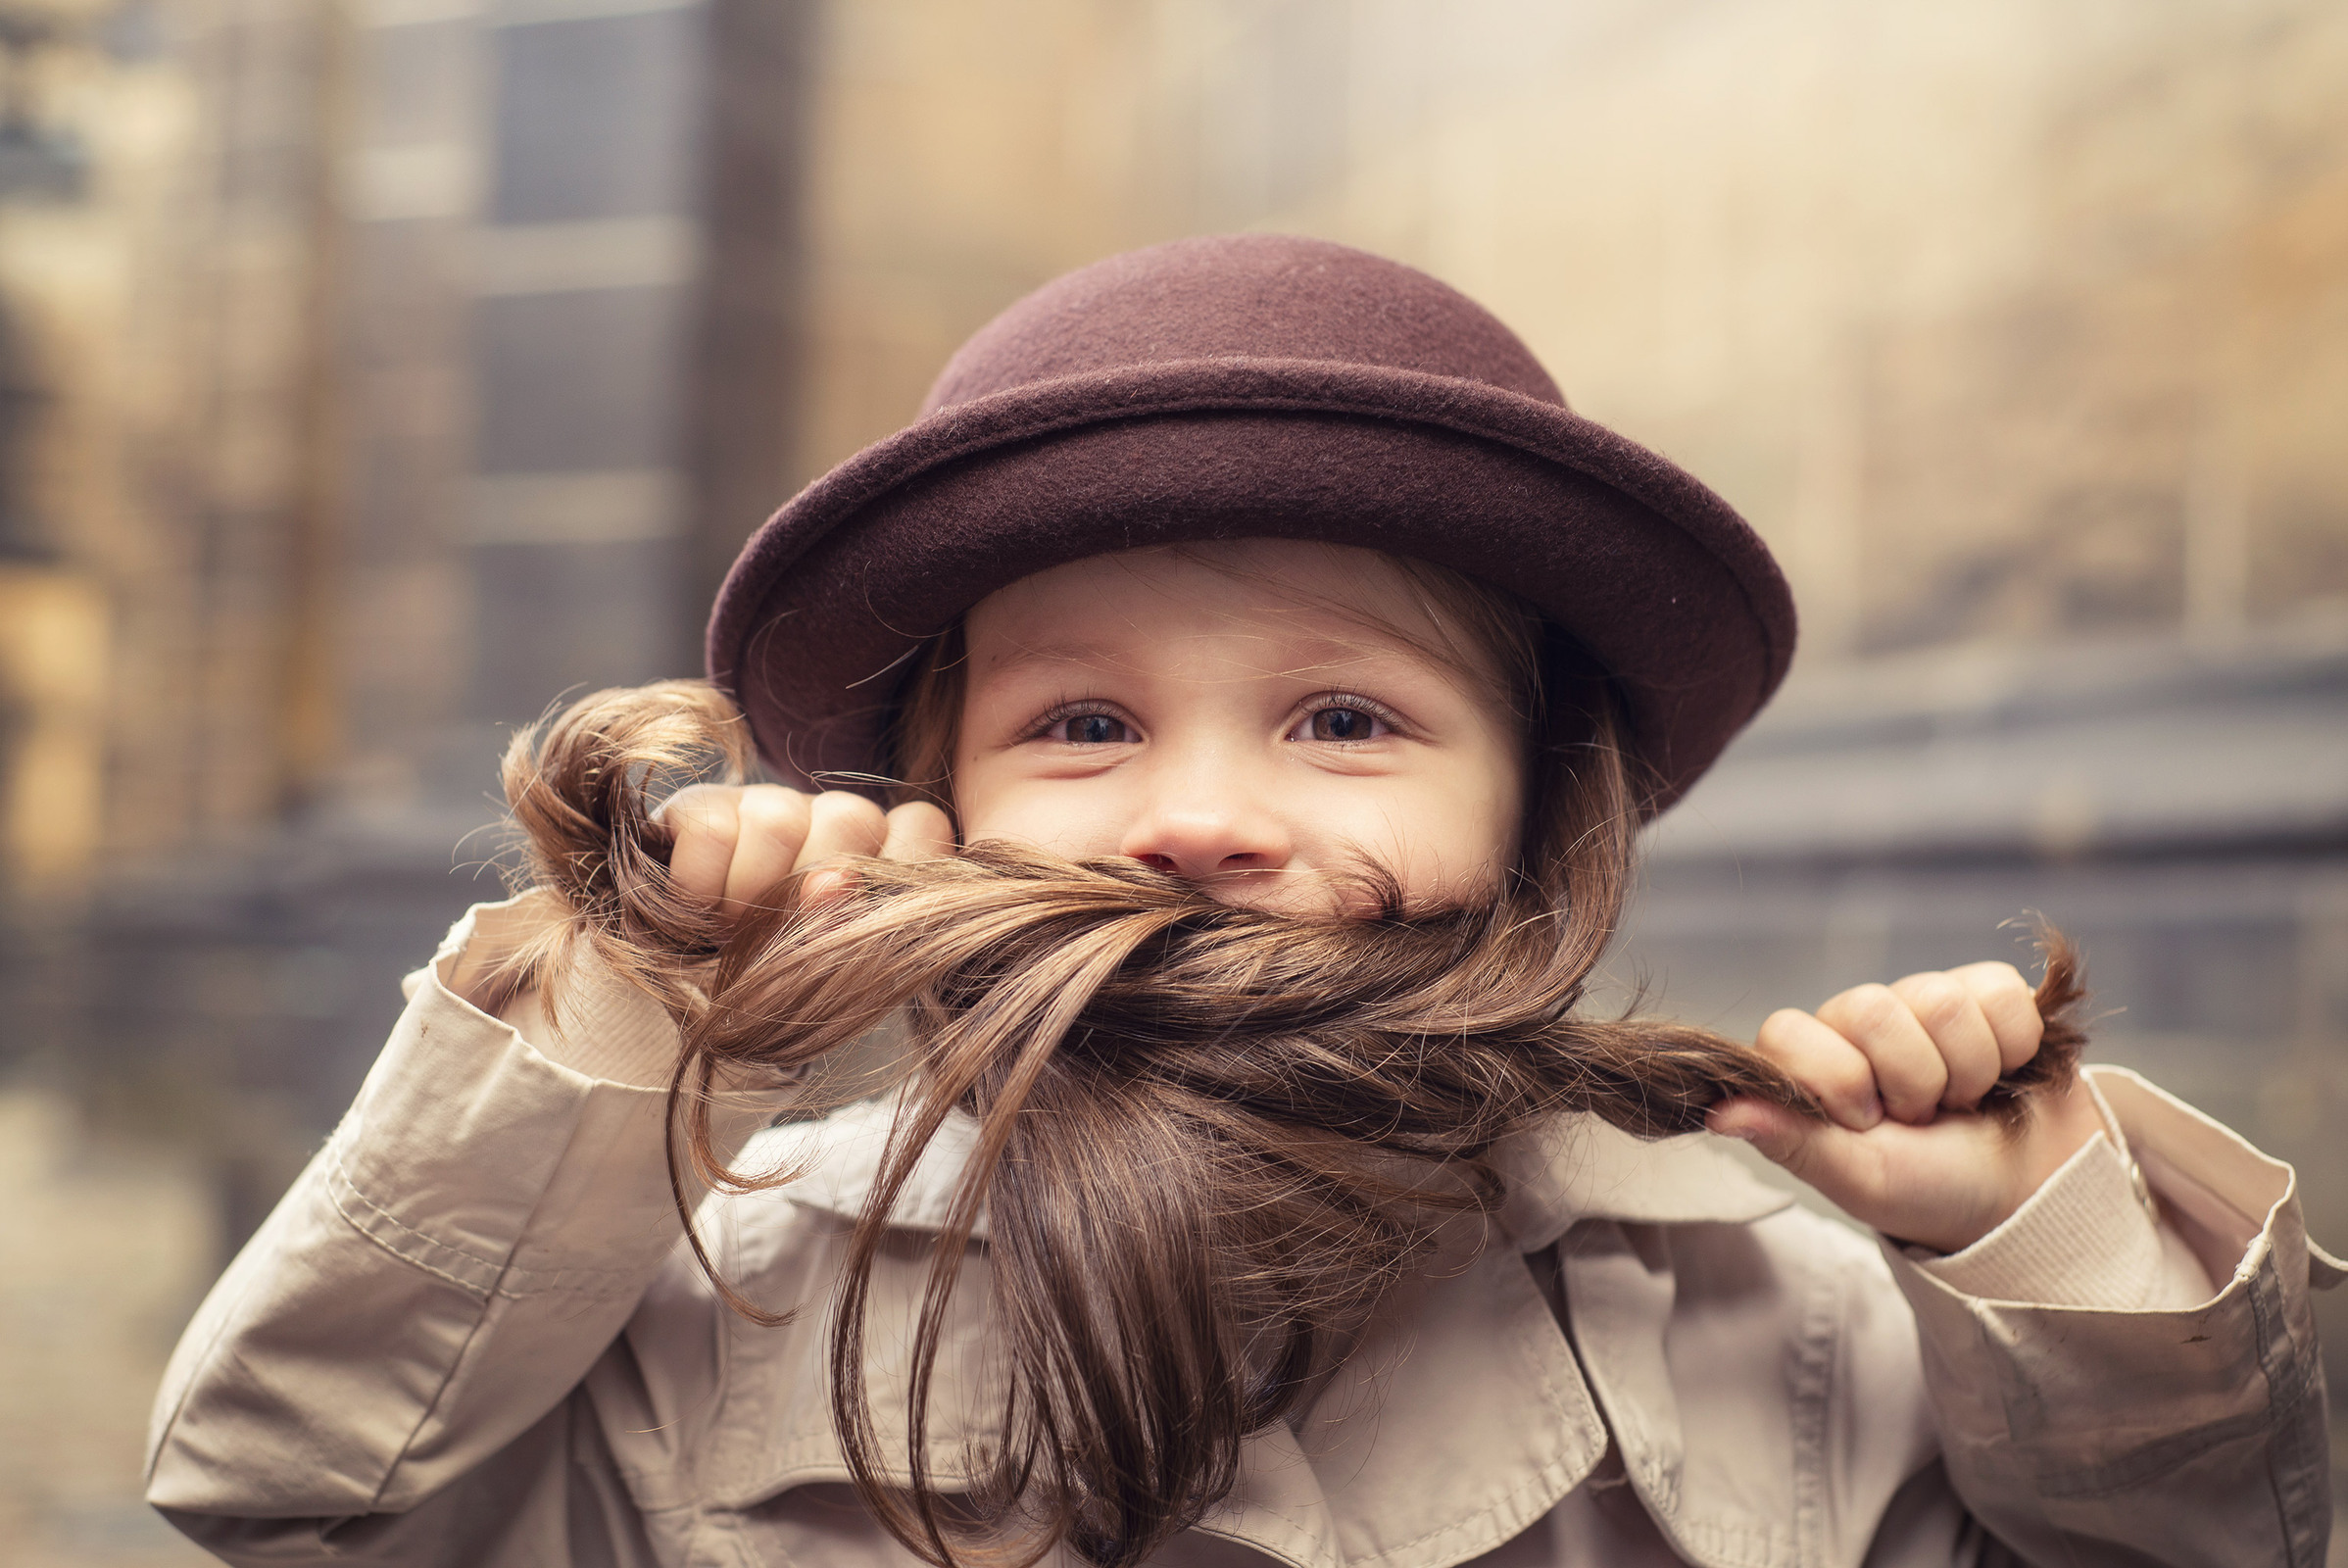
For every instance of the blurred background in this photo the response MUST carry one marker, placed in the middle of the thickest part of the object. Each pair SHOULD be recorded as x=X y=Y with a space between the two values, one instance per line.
x=372 y=372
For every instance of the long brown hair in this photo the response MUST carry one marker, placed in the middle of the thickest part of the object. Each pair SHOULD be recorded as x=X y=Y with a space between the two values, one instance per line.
x=1208 y=1137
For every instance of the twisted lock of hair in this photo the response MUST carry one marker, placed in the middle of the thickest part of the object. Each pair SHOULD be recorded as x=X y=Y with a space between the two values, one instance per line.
x=1207 y=1138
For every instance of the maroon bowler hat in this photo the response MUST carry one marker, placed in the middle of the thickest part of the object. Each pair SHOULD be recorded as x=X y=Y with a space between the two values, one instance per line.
x=1245 y=386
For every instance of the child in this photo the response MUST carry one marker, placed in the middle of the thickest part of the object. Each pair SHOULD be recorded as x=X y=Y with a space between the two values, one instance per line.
x=1168 y=1133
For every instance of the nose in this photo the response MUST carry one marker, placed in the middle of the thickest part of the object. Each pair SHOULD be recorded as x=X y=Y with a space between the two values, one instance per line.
x=1207 y=830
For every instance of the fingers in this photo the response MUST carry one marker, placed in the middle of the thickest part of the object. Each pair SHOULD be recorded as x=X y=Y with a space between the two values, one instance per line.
x=706 y=826
x=1897 y=1071
x=1783 y=1137
x=841 y=824
x=1824 y=1062
x=776 y=824
x=1909 y=1072
x=1927 y=1043
x=917 y=831
x=736 y=845
x=1960 y=1032
x=1945 y=1186
x=1846 y=1166
x=2010 y=1003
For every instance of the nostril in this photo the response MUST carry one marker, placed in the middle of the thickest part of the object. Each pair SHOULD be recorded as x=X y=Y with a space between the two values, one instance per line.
x=1158 y=862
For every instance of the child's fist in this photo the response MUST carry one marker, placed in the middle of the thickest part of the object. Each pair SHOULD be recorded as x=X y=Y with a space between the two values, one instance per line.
x=735 y=844
x=1898 y=1070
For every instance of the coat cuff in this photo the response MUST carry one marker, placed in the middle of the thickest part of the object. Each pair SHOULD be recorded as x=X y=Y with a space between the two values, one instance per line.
x=2157 y=1213
x=2091 y=1236
x=2085 y=1433
x=606 y=1030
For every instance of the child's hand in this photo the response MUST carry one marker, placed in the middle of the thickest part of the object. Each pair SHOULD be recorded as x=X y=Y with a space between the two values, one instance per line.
x=735 y=844
x=1898 y=1069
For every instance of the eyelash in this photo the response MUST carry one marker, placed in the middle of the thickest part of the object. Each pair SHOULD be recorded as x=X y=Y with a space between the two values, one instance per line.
x=1060 y=713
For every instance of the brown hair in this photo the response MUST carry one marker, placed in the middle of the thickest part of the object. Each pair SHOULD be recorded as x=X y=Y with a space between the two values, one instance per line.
x=1308 y=1097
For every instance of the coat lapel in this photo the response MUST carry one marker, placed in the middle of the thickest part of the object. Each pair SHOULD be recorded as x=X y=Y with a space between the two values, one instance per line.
x=1462 y=1418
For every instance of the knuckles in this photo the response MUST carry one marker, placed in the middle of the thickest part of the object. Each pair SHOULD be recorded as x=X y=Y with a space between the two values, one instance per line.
x=702 y=810
x=734 y=833
x=773 y=813
x=1839 y=1076
x=1862 y=1012
x=845 y=823
x=1777 y=1029
x=1939 y=1000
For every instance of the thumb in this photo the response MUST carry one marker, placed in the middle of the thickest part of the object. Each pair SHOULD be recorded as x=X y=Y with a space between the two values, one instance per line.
x=1781 y=1137
x=1854 y=1171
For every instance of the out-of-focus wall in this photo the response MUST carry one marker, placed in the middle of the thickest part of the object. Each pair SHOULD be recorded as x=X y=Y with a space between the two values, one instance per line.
x=2002 y=321
x=164 y=491
x=2010 y=319
x=958 y=156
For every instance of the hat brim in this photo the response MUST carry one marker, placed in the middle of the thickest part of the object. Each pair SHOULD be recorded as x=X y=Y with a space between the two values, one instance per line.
x=1630 y=555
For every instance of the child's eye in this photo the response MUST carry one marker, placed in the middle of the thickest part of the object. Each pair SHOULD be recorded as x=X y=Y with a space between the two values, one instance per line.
x=1342 y=722
x=1086 y=729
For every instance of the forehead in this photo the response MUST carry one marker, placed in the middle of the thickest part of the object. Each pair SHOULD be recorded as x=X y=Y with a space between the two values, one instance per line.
x=1335 y=600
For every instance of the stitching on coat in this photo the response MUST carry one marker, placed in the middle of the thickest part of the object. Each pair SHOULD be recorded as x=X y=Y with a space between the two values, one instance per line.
x=1457 y=1526
x=1813 y=1394
x=1737 y=1540
x=1297 y=1533
x=2286 y=1393
x=507 y=1280
x=339 y=1181
x=2016 y=1397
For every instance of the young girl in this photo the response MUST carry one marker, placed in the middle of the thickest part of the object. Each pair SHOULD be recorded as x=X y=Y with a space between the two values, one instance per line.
x=1169 y=1131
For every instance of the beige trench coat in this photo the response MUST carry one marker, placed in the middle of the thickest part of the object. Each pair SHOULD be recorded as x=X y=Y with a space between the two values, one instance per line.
x=469 y=1335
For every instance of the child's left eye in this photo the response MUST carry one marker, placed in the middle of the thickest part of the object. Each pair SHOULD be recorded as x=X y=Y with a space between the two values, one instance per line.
x=1339 y=724
x=1092 y=729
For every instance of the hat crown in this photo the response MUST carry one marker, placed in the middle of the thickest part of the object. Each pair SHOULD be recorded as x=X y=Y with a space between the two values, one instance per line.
x=1251 y=296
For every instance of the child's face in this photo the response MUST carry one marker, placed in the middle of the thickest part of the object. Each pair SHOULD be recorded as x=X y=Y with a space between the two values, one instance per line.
x=1242 y=715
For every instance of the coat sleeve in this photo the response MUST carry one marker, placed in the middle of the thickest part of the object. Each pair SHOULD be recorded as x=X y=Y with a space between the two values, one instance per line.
x=2128 y=1373
x=426 y=1297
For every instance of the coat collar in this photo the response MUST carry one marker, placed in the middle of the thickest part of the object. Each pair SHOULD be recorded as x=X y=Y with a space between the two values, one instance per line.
x=1378 y=1474
x=1578 y=1168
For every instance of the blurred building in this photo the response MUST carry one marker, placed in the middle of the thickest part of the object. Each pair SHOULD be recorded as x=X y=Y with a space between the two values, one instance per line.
x=373 y=373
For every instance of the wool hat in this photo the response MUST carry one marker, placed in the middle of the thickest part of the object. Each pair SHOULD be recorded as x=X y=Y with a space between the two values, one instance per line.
x=1244 y=386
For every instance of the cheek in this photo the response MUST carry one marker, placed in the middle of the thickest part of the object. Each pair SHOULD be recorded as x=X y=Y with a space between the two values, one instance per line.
x=1463 y=850
x=1444 y=836
x=997 y=804
x=1459 y=833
